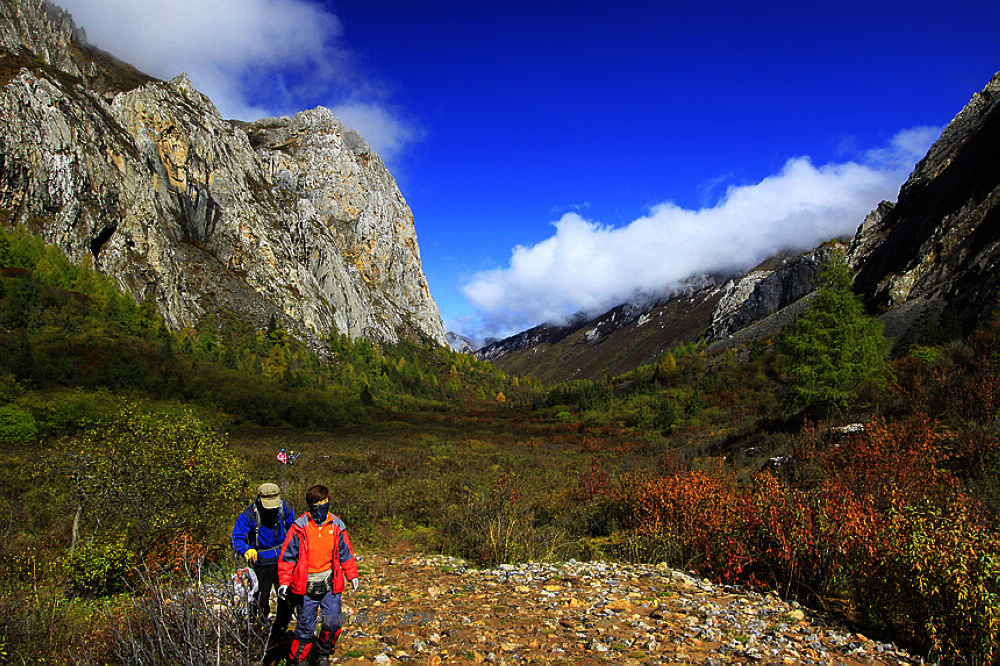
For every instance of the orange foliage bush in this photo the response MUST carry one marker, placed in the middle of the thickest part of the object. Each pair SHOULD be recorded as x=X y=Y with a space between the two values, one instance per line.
x=890 y=462
x=686 y=516
x=802 y=540
x=593 y=482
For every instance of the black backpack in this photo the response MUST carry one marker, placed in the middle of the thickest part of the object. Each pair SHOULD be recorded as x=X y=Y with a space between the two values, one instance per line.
x=256 y=523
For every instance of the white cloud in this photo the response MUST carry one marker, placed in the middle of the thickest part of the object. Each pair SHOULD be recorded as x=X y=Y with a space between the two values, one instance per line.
x=252 y=57
x=905 y=149
x=589 y=266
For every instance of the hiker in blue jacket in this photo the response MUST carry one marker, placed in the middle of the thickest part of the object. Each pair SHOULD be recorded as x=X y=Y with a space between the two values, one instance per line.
x=258 y=534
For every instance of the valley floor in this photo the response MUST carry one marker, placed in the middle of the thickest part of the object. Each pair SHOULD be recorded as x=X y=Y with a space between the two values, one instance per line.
x=437 y=610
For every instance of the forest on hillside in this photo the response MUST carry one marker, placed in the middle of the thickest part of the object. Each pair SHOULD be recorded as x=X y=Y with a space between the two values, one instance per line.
x=813 y=464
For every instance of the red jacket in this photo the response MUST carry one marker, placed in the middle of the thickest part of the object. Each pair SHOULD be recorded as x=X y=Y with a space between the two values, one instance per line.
x=293 y=564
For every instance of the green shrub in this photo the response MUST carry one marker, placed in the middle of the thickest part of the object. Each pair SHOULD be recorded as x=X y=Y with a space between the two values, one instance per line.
x=39 y=623
x=926 y=354
x=10 y=388
x=160 y=478
x=100 y=568
x=497 y=526
x=17 y=426
x=937 y=574
x=67 y=411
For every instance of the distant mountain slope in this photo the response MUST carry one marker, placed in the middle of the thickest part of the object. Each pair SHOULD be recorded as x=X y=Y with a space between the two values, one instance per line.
x=460 y=343
x=615 y=342
x=631 y=335
x=767 y=288
x=295 y=217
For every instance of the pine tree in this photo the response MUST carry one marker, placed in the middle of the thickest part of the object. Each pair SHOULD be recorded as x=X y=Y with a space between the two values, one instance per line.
x=835 y=350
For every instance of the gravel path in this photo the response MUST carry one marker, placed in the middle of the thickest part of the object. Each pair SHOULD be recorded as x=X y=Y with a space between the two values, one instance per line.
x=438 y=610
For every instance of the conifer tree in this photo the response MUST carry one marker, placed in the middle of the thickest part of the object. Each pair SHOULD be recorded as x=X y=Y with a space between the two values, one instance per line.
x=835 y=350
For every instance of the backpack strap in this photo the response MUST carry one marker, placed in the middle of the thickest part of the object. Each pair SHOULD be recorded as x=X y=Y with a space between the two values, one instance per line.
x=256 y=525
x=279 y=529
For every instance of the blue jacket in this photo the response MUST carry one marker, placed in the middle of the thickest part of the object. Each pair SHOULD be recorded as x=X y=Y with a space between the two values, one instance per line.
x=248 y=533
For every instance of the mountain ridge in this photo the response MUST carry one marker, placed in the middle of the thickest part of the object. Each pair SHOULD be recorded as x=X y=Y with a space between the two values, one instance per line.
x=712 y=309
x=939 y=245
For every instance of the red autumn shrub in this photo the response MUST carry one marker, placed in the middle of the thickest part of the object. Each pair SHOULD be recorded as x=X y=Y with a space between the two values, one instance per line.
x=802 y=541
x=688 y=518
x=869 y=516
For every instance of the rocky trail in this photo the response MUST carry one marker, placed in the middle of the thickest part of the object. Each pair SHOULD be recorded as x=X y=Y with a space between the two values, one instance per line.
x=438 y=610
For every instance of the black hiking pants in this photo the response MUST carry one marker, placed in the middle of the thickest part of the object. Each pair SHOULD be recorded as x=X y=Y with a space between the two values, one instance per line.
x=267 y=580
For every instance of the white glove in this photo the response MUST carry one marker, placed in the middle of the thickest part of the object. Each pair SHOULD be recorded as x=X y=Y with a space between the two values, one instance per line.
x=282 y=591
x=354 y=585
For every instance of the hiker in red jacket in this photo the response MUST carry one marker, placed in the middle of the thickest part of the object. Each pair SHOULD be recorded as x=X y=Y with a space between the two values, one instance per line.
x=315 y=561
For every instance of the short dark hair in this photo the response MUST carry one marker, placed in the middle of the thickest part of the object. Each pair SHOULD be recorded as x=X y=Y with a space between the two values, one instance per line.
x=317 y=494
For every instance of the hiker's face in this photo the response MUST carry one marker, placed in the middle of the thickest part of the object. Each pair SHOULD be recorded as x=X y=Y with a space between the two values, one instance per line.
x=319 y=510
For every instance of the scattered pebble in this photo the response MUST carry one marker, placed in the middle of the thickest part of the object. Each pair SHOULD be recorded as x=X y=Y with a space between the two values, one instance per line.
x=440 y=610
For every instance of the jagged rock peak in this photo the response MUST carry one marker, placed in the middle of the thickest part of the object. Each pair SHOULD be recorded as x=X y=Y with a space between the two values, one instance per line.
x=970 y=120
x=866 y=237
x=182 y=83
x=37 y=34
x=940 y=243
x=460 y=343
x=43 y=29
x=311 y=119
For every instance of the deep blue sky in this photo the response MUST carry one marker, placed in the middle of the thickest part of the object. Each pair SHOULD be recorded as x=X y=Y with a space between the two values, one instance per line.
x=500 y=120
x=532 y=108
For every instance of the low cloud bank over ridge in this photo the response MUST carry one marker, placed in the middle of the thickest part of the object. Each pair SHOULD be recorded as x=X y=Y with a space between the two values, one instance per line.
x=588 y=266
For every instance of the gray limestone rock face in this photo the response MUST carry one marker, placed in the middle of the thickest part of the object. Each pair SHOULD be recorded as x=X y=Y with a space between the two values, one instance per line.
x=767 y=289
x=869 y=234
x=296 y=217
x=341 y=185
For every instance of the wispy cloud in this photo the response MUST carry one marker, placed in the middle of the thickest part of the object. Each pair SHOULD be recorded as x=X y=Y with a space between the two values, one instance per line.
x=254 y=58
x=589 y=266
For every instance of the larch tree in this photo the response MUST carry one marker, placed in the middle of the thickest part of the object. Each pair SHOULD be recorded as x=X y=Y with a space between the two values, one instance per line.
x=835 y=351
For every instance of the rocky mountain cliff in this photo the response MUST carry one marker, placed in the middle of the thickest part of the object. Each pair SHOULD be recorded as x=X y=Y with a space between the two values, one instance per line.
x=938 y=247
x=296 y=217
x=767 y=288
